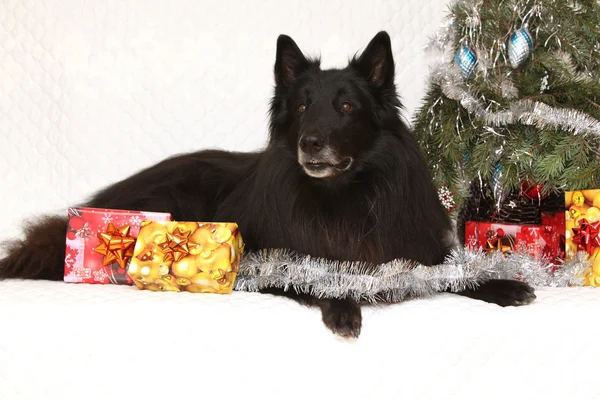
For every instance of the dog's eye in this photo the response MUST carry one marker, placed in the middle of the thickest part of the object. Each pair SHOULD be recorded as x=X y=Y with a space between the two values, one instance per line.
x=346 y=107
x=301 y=108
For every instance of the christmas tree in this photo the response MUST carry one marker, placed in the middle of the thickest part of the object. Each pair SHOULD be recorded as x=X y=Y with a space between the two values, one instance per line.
x=513 y=108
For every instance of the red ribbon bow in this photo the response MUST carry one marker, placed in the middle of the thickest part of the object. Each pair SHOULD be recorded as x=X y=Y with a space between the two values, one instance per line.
x=586 y=236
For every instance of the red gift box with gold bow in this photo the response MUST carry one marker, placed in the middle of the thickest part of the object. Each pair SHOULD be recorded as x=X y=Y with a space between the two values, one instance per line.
x=539 y=241
x=100 y=243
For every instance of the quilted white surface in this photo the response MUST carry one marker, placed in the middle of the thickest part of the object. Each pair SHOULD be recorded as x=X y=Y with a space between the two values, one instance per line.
x=92 y=91
x=66 y=341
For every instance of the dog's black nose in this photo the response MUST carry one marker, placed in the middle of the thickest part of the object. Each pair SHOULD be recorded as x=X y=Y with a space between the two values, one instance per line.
x=311 y=144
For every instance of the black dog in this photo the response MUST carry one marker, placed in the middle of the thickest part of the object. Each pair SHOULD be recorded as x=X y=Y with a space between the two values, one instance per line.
x=342 y=177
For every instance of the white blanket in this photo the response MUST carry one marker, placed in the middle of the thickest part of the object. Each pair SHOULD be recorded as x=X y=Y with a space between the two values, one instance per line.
x=68 y=341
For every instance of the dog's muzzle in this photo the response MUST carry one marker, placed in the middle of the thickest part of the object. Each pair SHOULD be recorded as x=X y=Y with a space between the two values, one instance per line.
x=319 y=160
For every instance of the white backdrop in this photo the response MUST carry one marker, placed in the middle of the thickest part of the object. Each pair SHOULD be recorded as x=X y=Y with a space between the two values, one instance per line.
x=92 y=91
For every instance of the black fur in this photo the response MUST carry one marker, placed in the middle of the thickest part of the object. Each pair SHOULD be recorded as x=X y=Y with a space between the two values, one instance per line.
x=376 y=203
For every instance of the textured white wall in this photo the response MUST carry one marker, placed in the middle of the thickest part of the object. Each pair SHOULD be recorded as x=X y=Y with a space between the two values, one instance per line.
x=91 y=91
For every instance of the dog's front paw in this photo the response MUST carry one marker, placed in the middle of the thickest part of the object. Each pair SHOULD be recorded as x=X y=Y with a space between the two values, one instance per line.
x=342 y=317
x=502 y=292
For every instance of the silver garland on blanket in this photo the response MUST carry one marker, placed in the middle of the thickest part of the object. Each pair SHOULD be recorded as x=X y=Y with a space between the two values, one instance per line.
x=399 y=279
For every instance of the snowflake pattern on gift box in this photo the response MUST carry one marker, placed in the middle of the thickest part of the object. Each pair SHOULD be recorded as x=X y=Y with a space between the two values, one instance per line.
x=72 y=260
x=81 y=272
x=69 y=261
x=135 y=220
x=100 y=276
x=472 y=242
x=535 y=249
x=107 y=218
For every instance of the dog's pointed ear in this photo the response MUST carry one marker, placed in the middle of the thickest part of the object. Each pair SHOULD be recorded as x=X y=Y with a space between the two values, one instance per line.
x=289 y=62
x=376 y=62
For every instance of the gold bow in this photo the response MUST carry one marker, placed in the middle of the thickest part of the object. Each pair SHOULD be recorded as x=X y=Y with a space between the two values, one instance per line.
x=115 y=245
x=493 y=245
x=175 y=246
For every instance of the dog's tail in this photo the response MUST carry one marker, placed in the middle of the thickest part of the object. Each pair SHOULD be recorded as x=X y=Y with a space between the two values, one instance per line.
x=40 y=254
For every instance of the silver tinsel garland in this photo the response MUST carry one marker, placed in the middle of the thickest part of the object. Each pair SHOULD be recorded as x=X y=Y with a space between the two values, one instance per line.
x=522 y=111
x=399 y=279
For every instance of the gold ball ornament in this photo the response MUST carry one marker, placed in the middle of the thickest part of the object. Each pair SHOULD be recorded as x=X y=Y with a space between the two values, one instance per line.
x=152 y=232
x=241 y=244
x=185 y=268
x=596 y=201
x=195 y=248
x=593 y=214
x=204 y=236
x=140 y=246
x=571 y=249
x=568 y=234
x=220 y=256
x=149 y=271
x=221 y=234
x=578 y=211
x=596 y=267
x=220 y=267
x=144 y=271
x=568 y=199
x=163 y=270
x=578 y=198
x=206 y=254
x=592 y=275
x=205 y=283
x=590 y=194
x=183 y=281
x=167 y=284
x=595 y=254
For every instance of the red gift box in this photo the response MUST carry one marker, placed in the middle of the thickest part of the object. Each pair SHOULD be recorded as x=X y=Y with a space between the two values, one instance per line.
x=557 y=220
x=540 y=241
x=100 y=243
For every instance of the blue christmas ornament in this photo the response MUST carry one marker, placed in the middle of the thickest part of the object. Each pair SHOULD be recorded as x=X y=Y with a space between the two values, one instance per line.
x=520 y=47
x=466 y=158
x=497 y=190
x=466 y=60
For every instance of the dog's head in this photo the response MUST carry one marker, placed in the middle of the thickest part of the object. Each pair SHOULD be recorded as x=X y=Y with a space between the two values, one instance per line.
x=330 y=119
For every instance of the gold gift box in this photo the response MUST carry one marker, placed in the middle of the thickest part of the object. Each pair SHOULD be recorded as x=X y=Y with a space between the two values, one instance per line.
x=583 y=205
x=198 y=257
